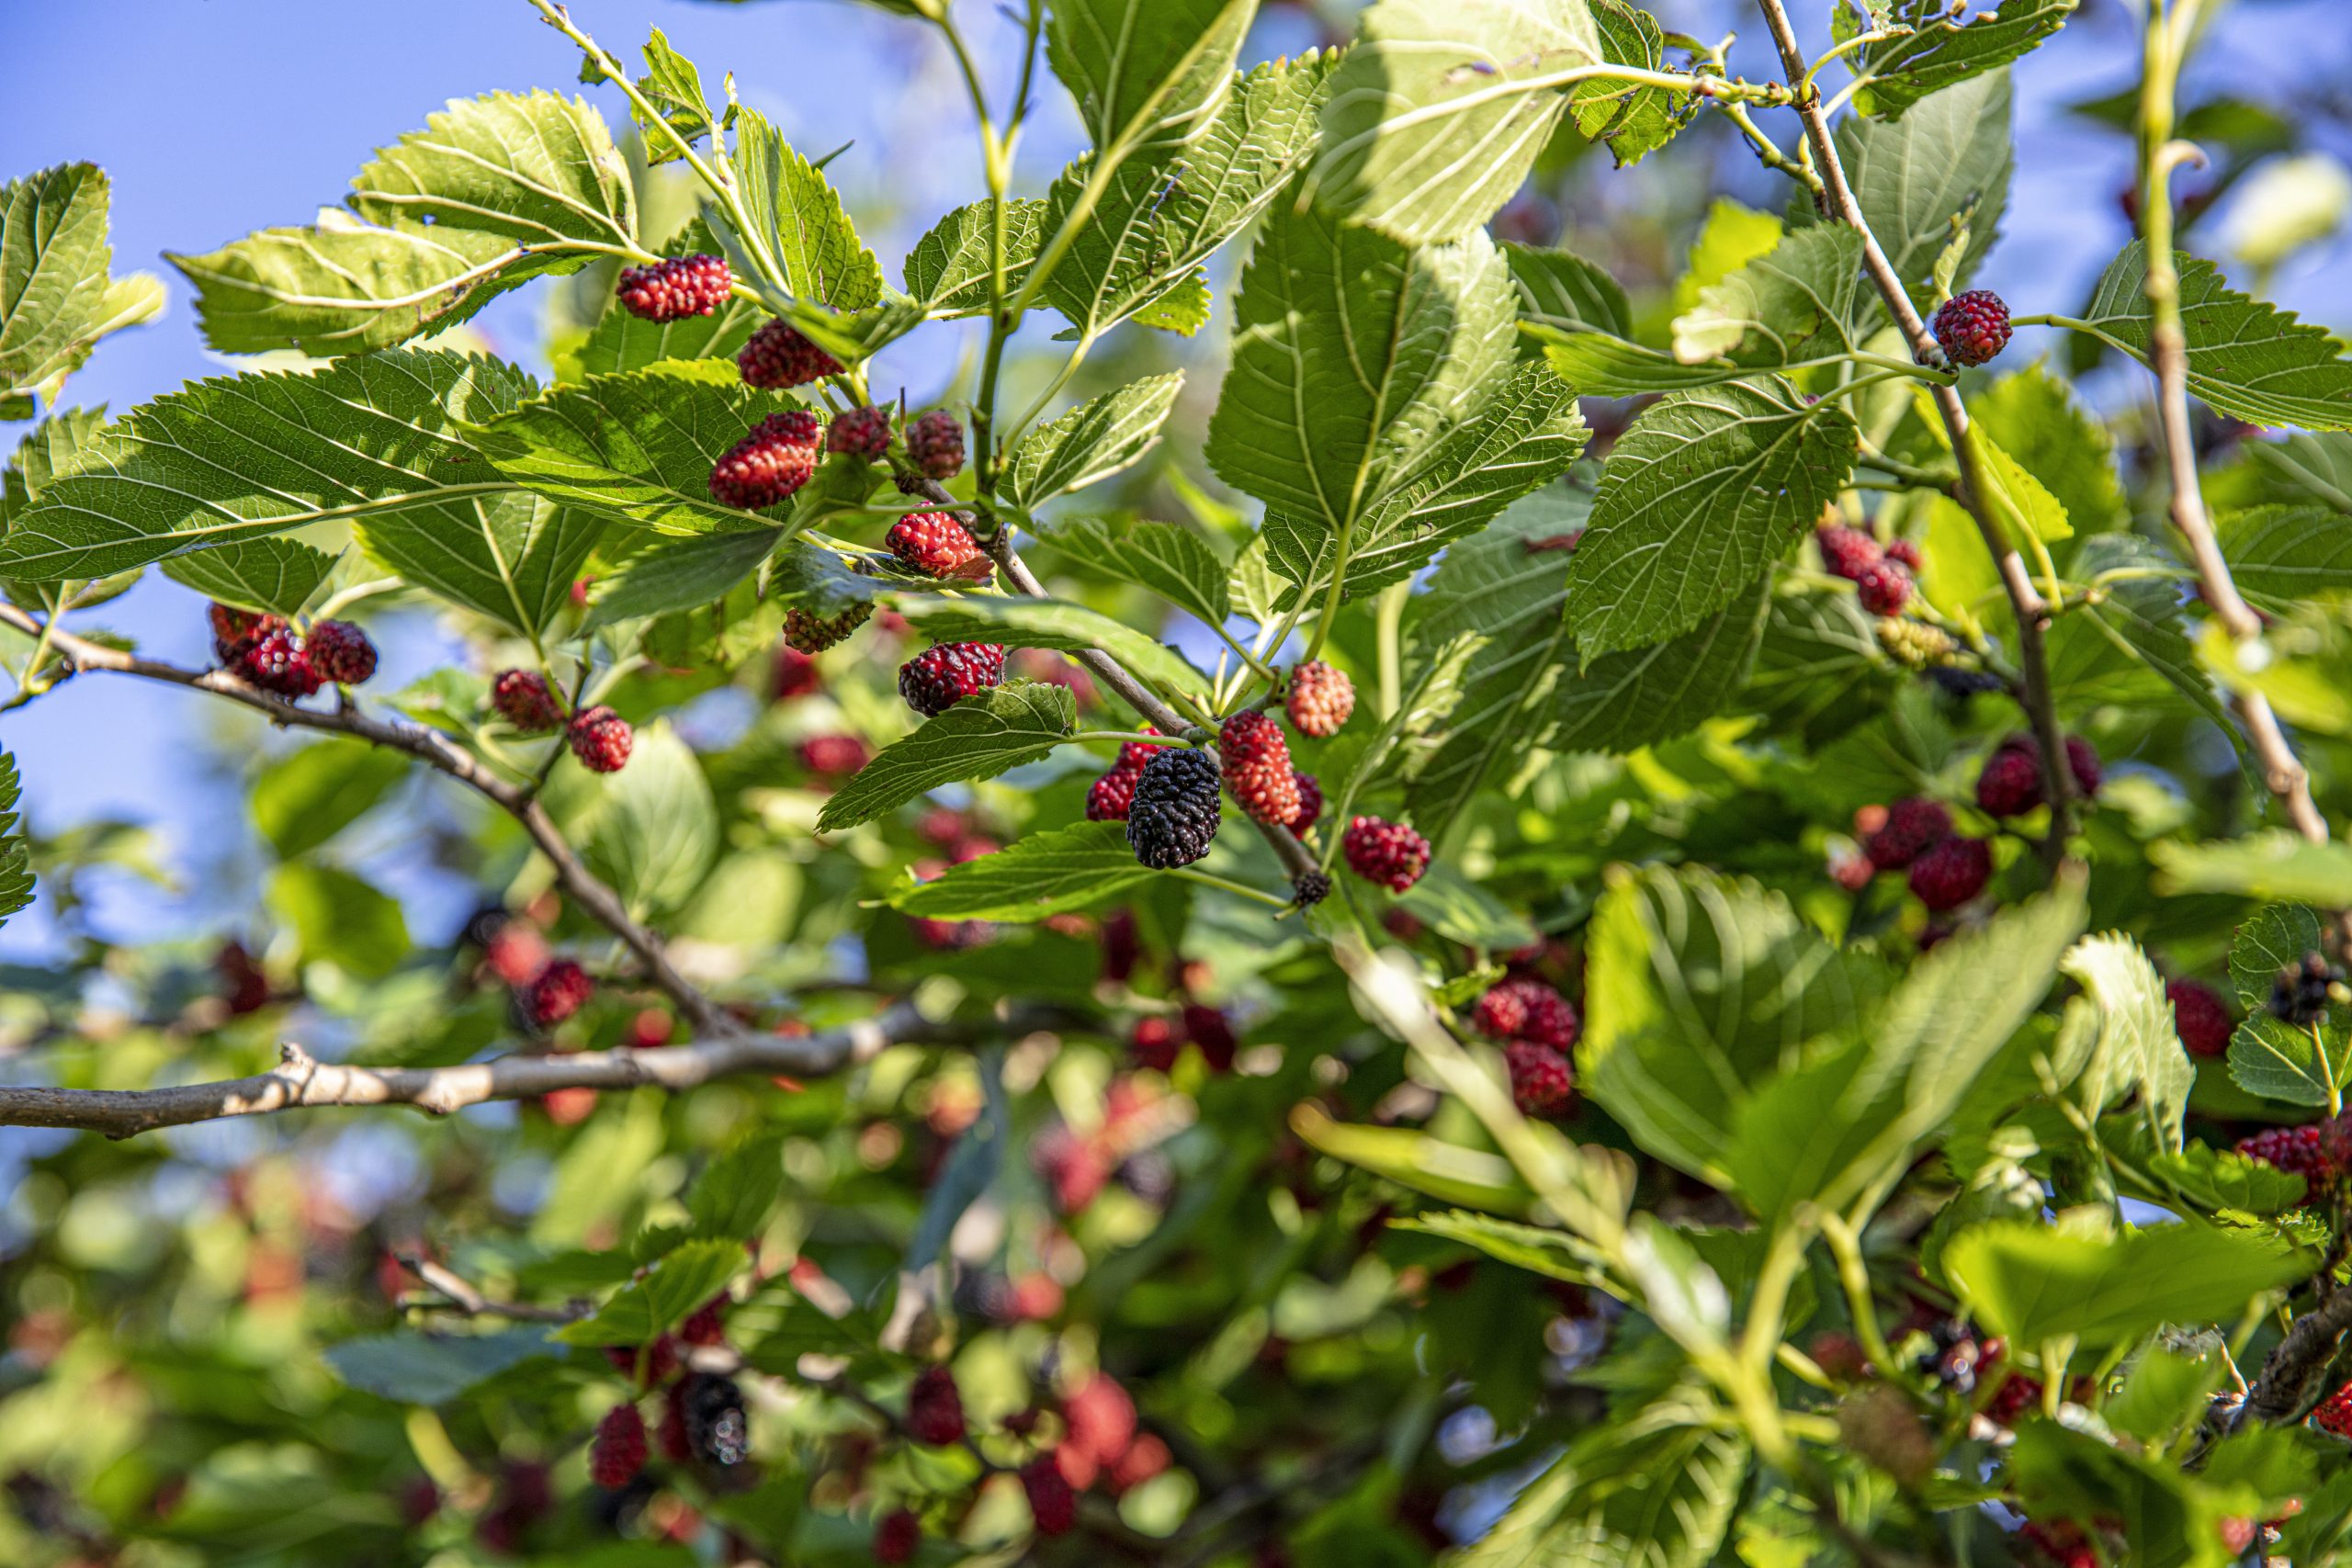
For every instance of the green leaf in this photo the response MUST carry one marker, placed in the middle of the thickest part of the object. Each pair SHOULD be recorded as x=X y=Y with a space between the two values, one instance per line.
x=1553 y=1254
x=733 y=1196
x=1655 y=1494
x=652 y=828
x=948 y=270
x=307 y=798
x=637 y=449
x=2035 y=418
x=2269 y=1056
x=2306 y=466
x=1090 y=443
x=15 y=854
x=677 y=574
x=1054 y=623
x=1460 y=910
x=1699 y=497
x=2019 y=501
x=1041 y=874
x=1170 y=558
x=977 y=738
x=1164 y=213
x=1939 y=48
x=2222 y=1178
x=2282 y=556
x=797 y=221
x=2274 y=865
x=2247 y=360
x=1561 y=289
x=1950 y=156
x=412 y=1367
x=2134 y=1051
x=1414 y=1159
x=620 y=341
x=2132 y=647
x=241 y=457
x=1633 y=120
x=685 y=1277
x=2032 y=1282
x=1145 y=73
x=1622 y=702
x=55 y=300
x=1801 y=300
x=273 y=575
x=496 y=190
x=1438 y=112
x=1605 y=366
x=672 y=84
x=339 y=918
x=510 y=555
x=2163 y=1391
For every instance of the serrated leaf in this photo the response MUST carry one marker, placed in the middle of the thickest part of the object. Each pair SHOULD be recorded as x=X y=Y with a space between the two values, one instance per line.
x=1438 y=112
x=2132 y=646
x=510 y=555
x=1039 y=875
x=538 y=168
x=2222 y=1179
x=2306 y=466
x=652 y=828
x=1952 y=154
x=977 y=738
x=55 y=298
x=15 y=854
x=1802 y=301
x=677 y=574
x=1622 y=702
x=412 y=1367
x=1256 y=592
x=637 y=448
x=1054 y=623
x=2134 y=1051
x=1165 y=212
x=277 y=576
x=621 y=341
x=1092 y=442
x=1698 y=498
x=798 y=222
x=1561 y=289
x=1633 y=120
x=1657 y=1494
x=1602 y=365
x=1460 y=910
x=2268 y=1055
x=672 y=84
x=682 y=1280
x=305 y=799
x=733 y=1197
x=1169 y=559
x=1145 y=73
x=2033 y=1282
x=2035 y=418
x=949 y=268
x=241 y=457
x=1939 y=48
x=2283 y=556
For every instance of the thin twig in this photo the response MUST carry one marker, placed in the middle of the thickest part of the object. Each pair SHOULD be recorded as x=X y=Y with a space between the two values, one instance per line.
x=462 y=1295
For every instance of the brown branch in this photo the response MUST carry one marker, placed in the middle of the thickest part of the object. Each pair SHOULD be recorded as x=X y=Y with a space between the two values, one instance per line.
x=2032 y=616
x=461 y=1295
x=300 y=1082
x=431 y=747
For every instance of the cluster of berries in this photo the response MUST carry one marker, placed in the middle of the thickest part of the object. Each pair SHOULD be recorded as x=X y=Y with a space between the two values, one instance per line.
x=1158 y=1039
x=1537 y=1026
x=1915 y=836
x=547 y=989
x=2302 y=992
x=703 y=1421
x=1882 y=575
x=269 y=653
x=2010 y=784
x=2319 y=1151
x=934 y=543
x=600 y=738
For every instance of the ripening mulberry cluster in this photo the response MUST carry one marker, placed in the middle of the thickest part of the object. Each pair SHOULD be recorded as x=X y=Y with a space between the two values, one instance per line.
x=945 y=673
x=1387 y=852
x=768 y=467
x=1320 y=699
x=1108 y=798
x=601 y=739
x=1882 y=575
x=1258 y=768
x=807 y=632
x=1944 y=869
x=673 y=289
x=270 y=653
x=935 y=445
x=936 y=544
x=2010 y=783
x=2319 y=1151
x=1537 y=1025
x=703 y=1421
x=1971 y=328
x=860 y=433
x=619 y=1451
x=1173 y=814
x=2202 y=1018
x=780 y=356
x=524 y=699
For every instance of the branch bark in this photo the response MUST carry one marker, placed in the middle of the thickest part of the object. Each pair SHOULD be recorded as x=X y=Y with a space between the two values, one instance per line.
x=437 y=750
x=2025 y=604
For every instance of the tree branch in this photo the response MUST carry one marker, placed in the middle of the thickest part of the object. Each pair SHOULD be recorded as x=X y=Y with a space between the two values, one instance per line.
x=300 y=1082
x=2025 y=602
x=431 y=747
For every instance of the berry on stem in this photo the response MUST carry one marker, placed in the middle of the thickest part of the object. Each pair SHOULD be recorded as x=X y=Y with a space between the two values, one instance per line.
x=1173 y=813
x=1108 y=797
x=1257 y=767
x=674 y=290
x=234 y=631
x=340 y=652
x=2298 y=994
x=561 y=989
x=1953 y=873
x=1052 y=1505
x=779 y=356
x=278 y=662
x=936 y=444
x=600 y=739
x=1387 y=853
x=1310 y=801
x=618 y=1452
x=935 y=1409
x=1320 y=699
x=768 y=466
x=1914 y=826
x=1542 y=1082
x=860 y=433
x=1971 y=328
x=1883 y=589
x=524 y=700
x=1847 y=552
x=2202 y=1018
x=936 y=544
x=804 y=631
x=896 y=1538
x=945 y=674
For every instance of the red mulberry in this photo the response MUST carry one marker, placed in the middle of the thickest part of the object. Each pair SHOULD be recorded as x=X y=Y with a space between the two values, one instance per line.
x=279 y=662
x=235 y=631
x=340 y=652
x=936 y=544
x=935 y=1409
x=674 y=290
x=1320 y=700
x=2335 y=1414
x=1847 y=552
x=1310 y=801
x=2010 y=784
x=2202 y=1018
x=1542 y=1082
x=1914 y=826
x=524 y=699
x=935 y=443
x=2315 y=1151
x=618 y=1452
x=896 y=1538
x=860 y=433
x=562 y=988
x=601 y=739
x=1387 y=853
x=1953 y=873
x=834 y=756
x=1971 y=328
x=1257 y=767
x=779 y=356
x=767 y=466
x=941 y=676
x=1052 y=1503
x=1108 y=797
x=1883 y=589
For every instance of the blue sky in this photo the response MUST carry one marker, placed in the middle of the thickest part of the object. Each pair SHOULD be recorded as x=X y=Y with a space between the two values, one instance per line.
x=220 y=118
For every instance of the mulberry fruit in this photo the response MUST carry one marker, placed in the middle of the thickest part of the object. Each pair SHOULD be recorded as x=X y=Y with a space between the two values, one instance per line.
x=769 y=465
x=1530 y=1010
x=524 y=699
x=561 y=989
x=2081 y=760
x=1915 y=645
x=935 y=1409
x=2200 y=1017
x=1387 y=853
x=717 y=1433
x=1320 y=700
x=941 y=676
x=1309 y=889
x=1914 y=826
x=1883 y=589
x=834 y=756
x=1257 y=767
x=674 y=290
x=618 y=1452
x=860 y=433
x=896 y=1538
x=778 y=356
x=2010 y=784
x=340 y=653
x=1542 y=1084
x=1134 y=754
x=1953 y=873
x=1971 y=328
x=1310 y=801
x=1155 y=1043
x=2335 y=1414
x=1052 y=1505
x=279 y=662
x=935 y=443
x=235 y=631
x=936 y=544
x=795 y=675
x=2300 y=993
x=600 y=739
x=1905 y=551
x=1206 y=1027
x=804 y=631
x=1108 y=797
x=1173 y=813
x=1847 y=552
x=2315 y=1151
x=2017 y=1394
